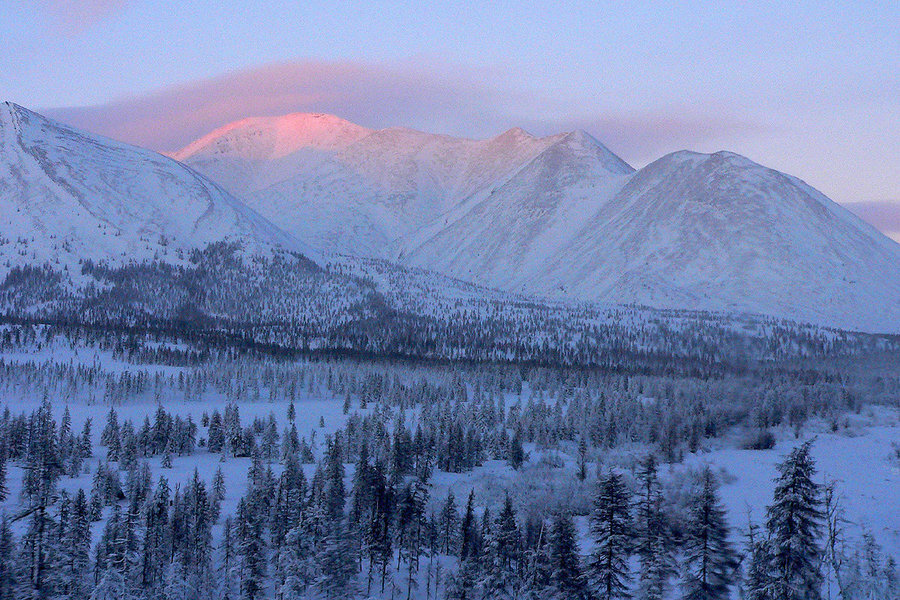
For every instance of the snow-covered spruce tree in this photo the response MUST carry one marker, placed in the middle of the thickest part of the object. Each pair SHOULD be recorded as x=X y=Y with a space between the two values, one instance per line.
x=251 y=549
x=335 y=563
x=378 y=536
x=218 y=495
x=229 y=582
x=216 y=434
x=794 y=525
x=111 y=586
x=156 y=543
x=77 y=548
x=566 y=577
x=710 y=562
x=448 y=525
x=462 y=584
x=111 y=430
x=334 y=495
x=411 y=521
x=536 y=558
x=42 y=472
x=176 y=584
x=612 y=530
x=516 y=451
x=652 y=535
x=757 y=579
x=85 y=447
x=194 y=545
x=503 y=567
x=8 y=561
x=469 y=544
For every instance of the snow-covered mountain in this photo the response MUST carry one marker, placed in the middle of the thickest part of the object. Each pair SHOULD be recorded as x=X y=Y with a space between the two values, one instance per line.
x=715 y=232
x=562 y=217
x=347 y=189
x=505 y=237
x=66 y=195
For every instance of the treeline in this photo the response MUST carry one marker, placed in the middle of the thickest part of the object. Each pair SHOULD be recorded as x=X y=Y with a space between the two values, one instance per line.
x=286 y=305
x=459 y=417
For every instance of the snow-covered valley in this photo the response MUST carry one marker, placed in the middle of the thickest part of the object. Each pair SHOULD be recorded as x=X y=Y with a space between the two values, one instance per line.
x=323 y=361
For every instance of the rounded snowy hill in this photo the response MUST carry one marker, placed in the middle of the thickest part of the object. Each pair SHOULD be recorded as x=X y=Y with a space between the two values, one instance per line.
x=66 y=195
x=721 y=232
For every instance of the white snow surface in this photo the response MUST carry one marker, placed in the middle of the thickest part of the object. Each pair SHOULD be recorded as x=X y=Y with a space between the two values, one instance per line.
x=66 y=195
x=562 y=217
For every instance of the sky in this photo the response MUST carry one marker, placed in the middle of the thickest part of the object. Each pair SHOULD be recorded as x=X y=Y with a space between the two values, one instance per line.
x=812 y=90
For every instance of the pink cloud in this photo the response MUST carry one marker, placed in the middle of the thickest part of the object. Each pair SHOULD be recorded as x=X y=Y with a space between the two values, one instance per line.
x=429 y=97
x=71 y=17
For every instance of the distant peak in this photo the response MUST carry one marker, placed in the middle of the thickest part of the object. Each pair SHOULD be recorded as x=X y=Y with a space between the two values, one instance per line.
x=581 y=142
x=275 y=136
x=516 y=132
x=581 y=134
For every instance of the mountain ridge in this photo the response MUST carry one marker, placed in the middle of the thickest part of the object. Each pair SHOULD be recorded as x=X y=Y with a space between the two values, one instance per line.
x=562 y=217
x=66 y=195
x=555 y=218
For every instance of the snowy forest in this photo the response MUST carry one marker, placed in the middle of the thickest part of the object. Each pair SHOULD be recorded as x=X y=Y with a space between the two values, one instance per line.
x=152 y=466
x=353 y=301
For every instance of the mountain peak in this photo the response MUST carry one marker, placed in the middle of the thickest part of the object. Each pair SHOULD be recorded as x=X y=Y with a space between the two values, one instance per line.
x=516 y=133
x=584 y=144
x=77 y=195
x=274 y=137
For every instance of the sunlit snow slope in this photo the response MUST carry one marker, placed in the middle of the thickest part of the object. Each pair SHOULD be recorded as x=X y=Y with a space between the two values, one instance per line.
x=66 y=195
x=347 y=189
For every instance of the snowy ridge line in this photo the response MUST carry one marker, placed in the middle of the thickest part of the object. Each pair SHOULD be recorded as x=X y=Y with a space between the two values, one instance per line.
x=563 y=218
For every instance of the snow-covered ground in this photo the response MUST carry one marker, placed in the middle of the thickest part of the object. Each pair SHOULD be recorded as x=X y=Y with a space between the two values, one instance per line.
x=861 y=459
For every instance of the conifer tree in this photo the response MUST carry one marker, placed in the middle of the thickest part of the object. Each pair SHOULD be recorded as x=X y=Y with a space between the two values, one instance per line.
x=516 y=451
x=336 y=564
x=794 y=523
x=565 y=566
x=218 y=495
x=710 y=561
x=651 y=544
x=611 y=527
x=378 y=534
x=77 y=542
x=216 y=434
x=111 y=586
x=110 y=433
x=230 y=586
x=42 y=472
x=334 y=493
x=469 y=543
x=4 y=489
x=503 y=569
x=251 y=549
x=8 y=560
x=448 y=525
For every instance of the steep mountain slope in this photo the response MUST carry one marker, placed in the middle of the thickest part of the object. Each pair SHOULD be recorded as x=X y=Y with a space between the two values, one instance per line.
x=724 y=233
x=344 y=188
x=505 y=239
x=66 y=195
